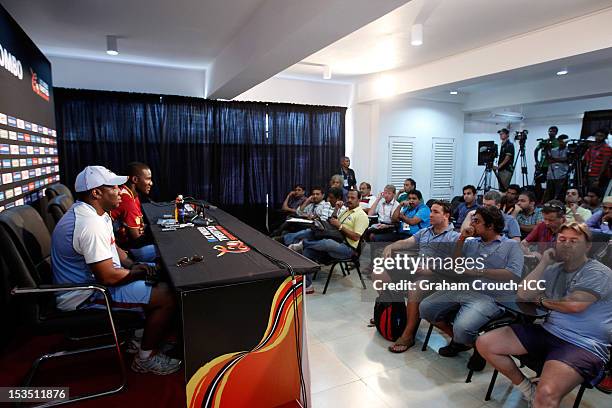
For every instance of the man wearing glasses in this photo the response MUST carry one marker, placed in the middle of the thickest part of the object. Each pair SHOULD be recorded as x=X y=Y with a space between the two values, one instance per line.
x=83 y=250
x=544 y=234
x=574 y=339
x=503 y=262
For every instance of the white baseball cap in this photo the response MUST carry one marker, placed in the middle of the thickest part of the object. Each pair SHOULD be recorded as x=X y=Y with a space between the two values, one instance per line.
x=96 y=176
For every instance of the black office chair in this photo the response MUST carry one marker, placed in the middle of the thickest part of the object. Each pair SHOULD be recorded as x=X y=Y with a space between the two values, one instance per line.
x=57 y=189
x=344 y=265
x=57 y=207
x=26 y=252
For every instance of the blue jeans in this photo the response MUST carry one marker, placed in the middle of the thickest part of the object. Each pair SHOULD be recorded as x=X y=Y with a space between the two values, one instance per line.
x=474 y=310
x=294 y=237
x=316 y=250
x=147 y=253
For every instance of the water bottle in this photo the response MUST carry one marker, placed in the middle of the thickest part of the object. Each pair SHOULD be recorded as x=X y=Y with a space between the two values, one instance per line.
x=179 y=210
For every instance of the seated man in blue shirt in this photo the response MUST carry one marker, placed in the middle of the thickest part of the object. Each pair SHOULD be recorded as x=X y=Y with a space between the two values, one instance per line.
x=83 y=251
x=500 y=260
x=574 y=339
x=412 y=215
x=469 y=203
x=601 y=220
x=436 y=241
x=493 y=199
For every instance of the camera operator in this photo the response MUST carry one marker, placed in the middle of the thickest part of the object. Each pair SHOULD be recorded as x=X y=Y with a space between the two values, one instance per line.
x=546 y=145
x=505 y=164
x=597 y=159
x=556 y=176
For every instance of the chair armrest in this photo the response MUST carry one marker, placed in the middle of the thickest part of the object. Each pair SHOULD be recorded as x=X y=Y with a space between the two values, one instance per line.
x=59 y=288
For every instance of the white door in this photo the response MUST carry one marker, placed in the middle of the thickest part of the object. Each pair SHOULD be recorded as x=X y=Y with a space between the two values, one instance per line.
x=443 y=168
x=401 y=151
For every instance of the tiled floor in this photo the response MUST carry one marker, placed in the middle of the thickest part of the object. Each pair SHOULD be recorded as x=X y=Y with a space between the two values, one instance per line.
x=351 y=367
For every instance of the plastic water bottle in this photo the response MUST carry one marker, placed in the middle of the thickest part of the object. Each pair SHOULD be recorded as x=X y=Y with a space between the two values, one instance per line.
x=179 y=209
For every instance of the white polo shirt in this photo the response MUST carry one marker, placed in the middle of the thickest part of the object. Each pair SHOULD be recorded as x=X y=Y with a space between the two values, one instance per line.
x=81 y=237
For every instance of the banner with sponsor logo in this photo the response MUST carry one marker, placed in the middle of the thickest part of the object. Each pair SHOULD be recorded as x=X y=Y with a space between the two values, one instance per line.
x=28 y=140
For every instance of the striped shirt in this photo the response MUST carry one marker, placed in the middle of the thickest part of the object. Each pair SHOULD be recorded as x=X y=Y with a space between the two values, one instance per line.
x=595 y=157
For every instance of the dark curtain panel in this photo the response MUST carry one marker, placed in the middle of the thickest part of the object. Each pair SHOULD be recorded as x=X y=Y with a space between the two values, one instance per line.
x=217 y=151
x=307 y=143
x=595 y=120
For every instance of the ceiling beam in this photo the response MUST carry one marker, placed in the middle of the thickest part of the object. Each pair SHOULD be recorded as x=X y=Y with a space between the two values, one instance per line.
x=282 y=33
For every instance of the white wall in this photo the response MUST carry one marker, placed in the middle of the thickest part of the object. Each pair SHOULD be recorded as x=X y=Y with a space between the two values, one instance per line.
x=299 y=91
x=420 y=119
x=88 y=74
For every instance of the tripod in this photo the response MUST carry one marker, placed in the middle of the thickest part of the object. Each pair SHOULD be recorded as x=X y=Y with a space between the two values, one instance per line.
x=523 y=158
x=485 y=180
x=575 y=178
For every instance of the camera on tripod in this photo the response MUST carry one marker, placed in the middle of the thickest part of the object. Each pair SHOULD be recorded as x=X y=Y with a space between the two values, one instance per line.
x=487 y=152
x=521 y=136
x=576 y=148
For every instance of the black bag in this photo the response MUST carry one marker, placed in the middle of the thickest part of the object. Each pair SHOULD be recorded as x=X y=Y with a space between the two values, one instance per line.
x=324 y=230
x=389 y=318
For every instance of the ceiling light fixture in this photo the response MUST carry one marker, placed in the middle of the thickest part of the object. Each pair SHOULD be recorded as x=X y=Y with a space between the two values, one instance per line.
x=454 y=92
x=327 y=74
x=111 y=45
x=562 y=72
x=416 y=35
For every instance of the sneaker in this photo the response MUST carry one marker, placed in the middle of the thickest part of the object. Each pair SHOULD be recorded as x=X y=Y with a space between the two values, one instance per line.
x=605 y=385
x=133 y=345
x=157 y=363
x=476 y=362
x=452 y=349
x=309 y=290
x=299 y=247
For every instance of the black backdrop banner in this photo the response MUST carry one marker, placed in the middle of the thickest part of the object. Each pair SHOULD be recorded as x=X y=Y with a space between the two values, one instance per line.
x=222 y=152
x=594 y=121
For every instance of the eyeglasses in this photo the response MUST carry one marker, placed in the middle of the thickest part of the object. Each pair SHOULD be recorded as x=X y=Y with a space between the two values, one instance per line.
x=554 y=206
x=184 y=261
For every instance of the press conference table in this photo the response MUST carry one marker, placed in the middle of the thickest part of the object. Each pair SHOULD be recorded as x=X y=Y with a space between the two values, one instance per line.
x=242 y=315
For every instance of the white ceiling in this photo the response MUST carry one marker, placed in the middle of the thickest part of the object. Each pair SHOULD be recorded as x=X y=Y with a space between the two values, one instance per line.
x=175 y=33
x=450 y=27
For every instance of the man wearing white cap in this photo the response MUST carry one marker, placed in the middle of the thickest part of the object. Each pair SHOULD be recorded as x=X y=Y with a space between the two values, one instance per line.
x=83 y=251
x=601 y=220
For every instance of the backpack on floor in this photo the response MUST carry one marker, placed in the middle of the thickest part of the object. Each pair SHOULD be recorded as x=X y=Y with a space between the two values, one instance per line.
x=389 y=318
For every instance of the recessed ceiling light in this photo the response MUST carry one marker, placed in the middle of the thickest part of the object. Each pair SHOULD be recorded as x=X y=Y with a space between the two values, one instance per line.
x=416 y=35
x=454 y=92
x=111 y=45
x=562 y=72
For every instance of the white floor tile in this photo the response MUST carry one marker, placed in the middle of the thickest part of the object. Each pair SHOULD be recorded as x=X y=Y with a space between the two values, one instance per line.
x=353 y=395
x=326 y=370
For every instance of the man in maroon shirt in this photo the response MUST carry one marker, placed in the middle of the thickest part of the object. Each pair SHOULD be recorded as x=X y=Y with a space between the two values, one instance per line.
x=128 y=220
x=545 y=232
x=597 y=159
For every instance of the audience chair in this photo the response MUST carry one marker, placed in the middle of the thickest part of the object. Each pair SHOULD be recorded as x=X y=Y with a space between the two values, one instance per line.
x=535 y=363
x=344 y=265
x=57 y=207
x=56 y=189
x=26 y=253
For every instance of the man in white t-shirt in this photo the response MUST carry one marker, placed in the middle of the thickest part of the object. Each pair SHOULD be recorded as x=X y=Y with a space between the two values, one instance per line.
x=83 y=250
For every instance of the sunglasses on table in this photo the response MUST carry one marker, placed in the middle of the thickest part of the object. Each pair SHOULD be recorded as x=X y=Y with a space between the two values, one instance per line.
x=189 y=260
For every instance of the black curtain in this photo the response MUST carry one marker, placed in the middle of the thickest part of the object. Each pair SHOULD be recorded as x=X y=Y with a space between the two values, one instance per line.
x=217 y=151
x=311 y=141
x=595 y=120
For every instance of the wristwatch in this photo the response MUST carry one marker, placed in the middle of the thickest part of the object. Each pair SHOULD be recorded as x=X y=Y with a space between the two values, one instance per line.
x=541 y=301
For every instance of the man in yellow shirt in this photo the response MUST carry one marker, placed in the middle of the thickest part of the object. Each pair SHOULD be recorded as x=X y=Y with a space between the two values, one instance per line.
x=352 y=224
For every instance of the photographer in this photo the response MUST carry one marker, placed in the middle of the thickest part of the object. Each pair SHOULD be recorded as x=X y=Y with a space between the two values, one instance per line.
x=597 y=159
x=556 y=176
x=505 y=165
x=546 y=146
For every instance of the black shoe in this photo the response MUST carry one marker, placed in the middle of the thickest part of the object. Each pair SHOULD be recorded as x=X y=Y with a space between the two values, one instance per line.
x=476 y=362
x=452 y=349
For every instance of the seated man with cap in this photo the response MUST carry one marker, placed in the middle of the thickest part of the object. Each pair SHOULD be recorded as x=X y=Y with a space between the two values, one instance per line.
x=83 y=250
